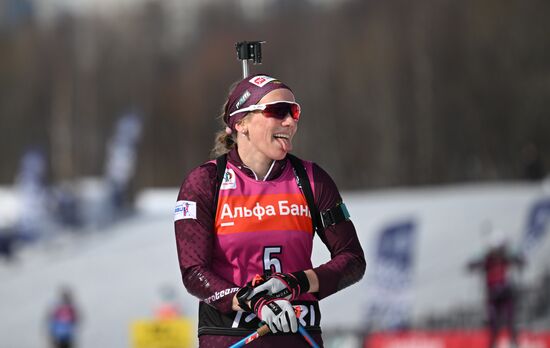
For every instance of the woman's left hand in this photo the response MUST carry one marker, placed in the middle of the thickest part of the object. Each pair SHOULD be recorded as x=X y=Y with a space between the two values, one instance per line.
x=283 y=285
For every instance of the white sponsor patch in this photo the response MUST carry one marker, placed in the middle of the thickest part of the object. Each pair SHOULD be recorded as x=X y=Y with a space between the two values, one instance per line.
x=229 y=181
x=243 y=99
x=185 y=210
x=261 y=80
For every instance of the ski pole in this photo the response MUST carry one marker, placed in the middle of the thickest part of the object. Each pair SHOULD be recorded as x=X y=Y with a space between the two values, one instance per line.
x=307 y=337
x=258 y=333
x=265 y=329
x=302 y=330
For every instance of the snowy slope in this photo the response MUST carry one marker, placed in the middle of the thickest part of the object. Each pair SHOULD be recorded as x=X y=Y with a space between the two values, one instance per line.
x=116 y=273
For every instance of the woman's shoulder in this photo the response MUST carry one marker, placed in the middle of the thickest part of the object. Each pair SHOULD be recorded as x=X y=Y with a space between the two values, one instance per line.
x=326 y=191
x=317 y=171
x=201 y=176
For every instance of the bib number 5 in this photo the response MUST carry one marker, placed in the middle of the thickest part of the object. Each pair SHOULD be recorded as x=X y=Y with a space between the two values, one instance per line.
x=271 y=263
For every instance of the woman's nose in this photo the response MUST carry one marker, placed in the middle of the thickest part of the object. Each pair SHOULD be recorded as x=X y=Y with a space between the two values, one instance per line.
x=288 y=119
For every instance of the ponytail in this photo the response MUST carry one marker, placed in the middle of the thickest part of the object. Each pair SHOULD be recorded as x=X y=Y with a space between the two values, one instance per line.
x=223 y=143
x=224 y=140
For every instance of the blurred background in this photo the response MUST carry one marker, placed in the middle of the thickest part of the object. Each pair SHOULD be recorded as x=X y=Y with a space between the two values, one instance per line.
x=431 y=116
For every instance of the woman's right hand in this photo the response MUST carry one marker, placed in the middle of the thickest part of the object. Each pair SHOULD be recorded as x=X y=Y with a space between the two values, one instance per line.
x=278 y=314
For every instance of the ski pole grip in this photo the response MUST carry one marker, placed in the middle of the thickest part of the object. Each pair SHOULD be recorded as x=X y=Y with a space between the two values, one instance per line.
x=263 y=330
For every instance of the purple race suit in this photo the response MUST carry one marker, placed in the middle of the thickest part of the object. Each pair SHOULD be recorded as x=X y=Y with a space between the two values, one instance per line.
x=257 y=225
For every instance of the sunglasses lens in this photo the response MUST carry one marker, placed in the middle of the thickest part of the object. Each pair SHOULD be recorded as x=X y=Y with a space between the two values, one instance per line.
x=295 y=111
x=281 y=110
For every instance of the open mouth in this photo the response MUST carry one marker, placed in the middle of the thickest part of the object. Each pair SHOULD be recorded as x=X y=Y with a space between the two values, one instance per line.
x=281 y=136
x=284 y=140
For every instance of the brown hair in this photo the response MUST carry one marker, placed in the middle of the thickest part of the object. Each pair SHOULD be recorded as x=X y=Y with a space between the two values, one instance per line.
x=223 y=142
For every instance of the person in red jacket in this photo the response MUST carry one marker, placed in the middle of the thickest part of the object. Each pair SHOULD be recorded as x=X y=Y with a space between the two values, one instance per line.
x=63 y=320
x=501 y=293
x=245 y=240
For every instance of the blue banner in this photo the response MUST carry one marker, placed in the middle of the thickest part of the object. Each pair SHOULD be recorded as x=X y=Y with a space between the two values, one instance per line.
x=389 y=303
x=537 y=225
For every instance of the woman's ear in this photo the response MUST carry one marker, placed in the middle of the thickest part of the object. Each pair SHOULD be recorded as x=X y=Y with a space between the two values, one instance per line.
x=241 y=126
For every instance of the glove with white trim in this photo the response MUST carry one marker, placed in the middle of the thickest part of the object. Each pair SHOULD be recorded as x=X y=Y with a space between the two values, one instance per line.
x=278 y=314
x=283 y=285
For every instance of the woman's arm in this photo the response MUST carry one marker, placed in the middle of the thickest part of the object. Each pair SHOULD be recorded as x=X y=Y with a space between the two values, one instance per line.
x=347 y=264
x=194 y=240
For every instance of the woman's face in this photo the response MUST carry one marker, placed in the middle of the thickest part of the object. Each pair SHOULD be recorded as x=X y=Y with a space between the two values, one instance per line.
x=268 y=136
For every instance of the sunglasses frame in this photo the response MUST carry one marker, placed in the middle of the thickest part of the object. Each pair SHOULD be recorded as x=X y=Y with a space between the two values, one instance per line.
x=262 y=107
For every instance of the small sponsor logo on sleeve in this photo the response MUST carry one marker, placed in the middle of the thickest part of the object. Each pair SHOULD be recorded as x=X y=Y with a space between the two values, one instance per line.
x=185 y=210
x=229 y=181
x=261 y=80
x=220 y=294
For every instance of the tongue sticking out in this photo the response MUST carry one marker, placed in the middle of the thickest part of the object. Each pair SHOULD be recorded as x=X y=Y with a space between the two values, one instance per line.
x=285 y=144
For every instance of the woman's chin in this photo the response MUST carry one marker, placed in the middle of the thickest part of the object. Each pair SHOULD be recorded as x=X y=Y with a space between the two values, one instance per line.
x=279 y=155
x=278 y=151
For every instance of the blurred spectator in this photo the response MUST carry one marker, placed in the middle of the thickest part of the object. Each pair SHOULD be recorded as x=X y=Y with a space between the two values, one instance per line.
x=63 y=321
x=168 y=308
x=7 y=241
x=501 y=290
x=67 y=206
x=533 y=165
x=121 y=162
x=8 y=235
x=33 y=195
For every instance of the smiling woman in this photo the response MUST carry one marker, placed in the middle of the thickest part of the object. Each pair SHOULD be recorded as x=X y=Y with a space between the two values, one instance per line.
x=245 y=225
x=263 y=138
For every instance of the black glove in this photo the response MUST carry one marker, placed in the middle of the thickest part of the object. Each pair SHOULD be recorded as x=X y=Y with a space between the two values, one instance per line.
x=283 y=285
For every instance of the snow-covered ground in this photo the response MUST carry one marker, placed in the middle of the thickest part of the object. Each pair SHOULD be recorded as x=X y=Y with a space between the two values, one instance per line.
x=117 y=273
